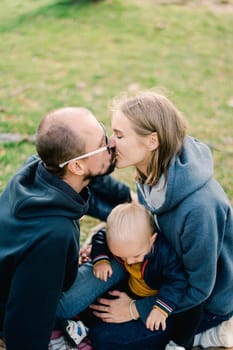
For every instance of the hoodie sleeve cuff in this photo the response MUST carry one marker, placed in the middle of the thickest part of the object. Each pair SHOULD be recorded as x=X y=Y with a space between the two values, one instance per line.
x=101 y=259
x=163 y=307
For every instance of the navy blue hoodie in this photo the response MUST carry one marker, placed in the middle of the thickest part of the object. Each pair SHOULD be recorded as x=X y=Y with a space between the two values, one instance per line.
x=39 y=240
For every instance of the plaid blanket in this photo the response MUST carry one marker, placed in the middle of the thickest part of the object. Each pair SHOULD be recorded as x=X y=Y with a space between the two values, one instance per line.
x=58 y=342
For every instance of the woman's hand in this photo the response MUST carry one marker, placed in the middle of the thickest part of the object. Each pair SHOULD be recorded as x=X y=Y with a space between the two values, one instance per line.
x=134 y=196
x=114 y=310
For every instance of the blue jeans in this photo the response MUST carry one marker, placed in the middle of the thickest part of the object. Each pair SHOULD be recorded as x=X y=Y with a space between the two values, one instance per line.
x=86 y=288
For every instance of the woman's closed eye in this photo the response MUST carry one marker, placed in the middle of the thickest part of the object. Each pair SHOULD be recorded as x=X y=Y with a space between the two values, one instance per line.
x=117 y=135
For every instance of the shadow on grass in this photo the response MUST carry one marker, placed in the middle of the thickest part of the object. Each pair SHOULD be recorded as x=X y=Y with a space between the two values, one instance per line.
x=57 y=9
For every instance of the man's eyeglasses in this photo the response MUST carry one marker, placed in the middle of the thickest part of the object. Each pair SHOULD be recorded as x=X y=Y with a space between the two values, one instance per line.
x=99 y=150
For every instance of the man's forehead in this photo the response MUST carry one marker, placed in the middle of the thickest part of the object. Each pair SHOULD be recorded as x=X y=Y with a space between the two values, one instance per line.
x=94 y=132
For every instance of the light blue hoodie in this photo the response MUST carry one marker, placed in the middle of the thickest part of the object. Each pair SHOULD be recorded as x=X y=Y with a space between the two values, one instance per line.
x=193 y=212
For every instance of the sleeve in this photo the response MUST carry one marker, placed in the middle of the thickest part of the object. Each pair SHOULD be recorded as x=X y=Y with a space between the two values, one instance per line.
x=99 y=250
x=34 y=293
x=200 y=244
x=106 y=192
x=110 y=189
x=201 y=241
x=173 y=284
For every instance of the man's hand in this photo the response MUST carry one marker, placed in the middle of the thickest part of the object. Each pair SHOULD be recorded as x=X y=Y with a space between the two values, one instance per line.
x=102 y=271
x=84 y=254
x=156 y=319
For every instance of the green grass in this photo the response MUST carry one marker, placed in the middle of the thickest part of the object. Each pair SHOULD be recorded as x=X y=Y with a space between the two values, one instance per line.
x=58 y=53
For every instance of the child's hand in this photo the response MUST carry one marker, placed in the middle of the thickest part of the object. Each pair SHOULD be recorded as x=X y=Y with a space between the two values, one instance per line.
x=156 y=319
x=102 y=271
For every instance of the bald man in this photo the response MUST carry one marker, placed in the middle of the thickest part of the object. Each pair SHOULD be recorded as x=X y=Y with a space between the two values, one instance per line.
x=39 y=223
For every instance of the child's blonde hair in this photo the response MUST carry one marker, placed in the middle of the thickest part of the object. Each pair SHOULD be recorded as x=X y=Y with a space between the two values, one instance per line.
x=123 y=219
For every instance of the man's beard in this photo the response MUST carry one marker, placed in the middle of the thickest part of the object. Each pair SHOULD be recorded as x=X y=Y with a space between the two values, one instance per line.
x=90 y=176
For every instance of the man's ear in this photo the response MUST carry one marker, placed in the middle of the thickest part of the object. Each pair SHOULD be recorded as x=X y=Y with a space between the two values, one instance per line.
x=76 y=167
x=153 y=142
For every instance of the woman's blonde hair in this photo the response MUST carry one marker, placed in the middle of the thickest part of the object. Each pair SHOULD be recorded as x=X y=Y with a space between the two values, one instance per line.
x=150 y=112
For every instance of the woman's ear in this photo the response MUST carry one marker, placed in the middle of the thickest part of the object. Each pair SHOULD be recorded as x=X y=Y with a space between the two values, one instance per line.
x=153 y=238
x=76 y=167
x=153 y=143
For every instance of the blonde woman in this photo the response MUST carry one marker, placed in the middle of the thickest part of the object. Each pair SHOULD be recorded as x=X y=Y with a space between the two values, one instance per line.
x=174 y=179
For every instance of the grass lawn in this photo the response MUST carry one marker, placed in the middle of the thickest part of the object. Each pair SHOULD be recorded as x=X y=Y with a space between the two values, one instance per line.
x=59 y=53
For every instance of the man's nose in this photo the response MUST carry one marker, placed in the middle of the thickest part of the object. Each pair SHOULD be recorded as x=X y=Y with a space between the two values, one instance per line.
x=112 y=143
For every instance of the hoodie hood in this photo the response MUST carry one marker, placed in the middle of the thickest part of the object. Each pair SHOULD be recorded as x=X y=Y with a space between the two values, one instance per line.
x=35 y=192
x=187 y=173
